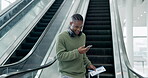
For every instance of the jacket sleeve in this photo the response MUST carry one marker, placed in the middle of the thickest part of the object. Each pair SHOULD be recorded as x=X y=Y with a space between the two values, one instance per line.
x=62 y=54
x=86 y=60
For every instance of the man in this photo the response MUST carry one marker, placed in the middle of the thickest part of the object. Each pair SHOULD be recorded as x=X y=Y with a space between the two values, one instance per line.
x=71 y=52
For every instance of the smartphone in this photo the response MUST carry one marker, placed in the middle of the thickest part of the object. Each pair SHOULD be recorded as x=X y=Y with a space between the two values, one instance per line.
x=89 y=46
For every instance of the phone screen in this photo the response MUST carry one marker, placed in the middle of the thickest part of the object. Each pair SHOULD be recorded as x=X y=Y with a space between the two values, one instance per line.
x=89 y=46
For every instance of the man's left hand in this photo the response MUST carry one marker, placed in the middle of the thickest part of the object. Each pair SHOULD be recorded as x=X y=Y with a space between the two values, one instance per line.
x=92 y=67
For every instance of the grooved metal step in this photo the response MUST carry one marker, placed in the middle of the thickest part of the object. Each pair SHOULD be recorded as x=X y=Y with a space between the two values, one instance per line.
x=100 y=51
x=98 y=27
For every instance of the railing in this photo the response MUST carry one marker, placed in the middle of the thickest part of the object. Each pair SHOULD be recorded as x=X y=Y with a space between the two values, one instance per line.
x=116 y=25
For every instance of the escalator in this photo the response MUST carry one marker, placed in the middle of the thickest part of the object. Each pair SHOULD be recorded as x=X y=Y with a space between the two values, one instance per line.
x=97 y=28
x=31 y=39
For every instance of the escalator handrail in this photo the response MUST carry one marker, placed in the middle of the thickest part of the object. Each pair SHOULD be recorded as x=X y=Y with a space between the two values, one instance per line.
x=121 y=41
x=36 y=44
x=12 y=6
x=12 y=18
x=29 y=70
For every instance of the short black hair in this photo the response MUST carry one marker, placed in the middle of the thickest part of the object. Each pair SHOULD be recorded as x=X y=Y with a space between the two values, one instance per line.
x=77 y=17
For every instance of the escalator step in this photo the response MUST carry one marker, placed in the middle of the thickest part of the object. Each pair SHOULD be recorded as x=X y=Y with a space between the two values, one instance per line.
x=100 y=59
x=105 y=65
x=35 y=34
x=31 y=39
x=98 y=22
x=99 y=37
x=99 y=19
x=27 y=45
x=100 y=51
x=41 y=24
x=50 y=13
x=104 y=75
x=99 y=15
x=97 y=27
x=56 y=5
x=98 y=5
x=47 y=16
x=22 y=52
x=100 y=44
x=44 y=20
x=108 y=75
x=94 y=11
x=52 y=9
x=98 y=8
x=99 y=2
x=15 y=59
x=97 y=32
x=39 y=29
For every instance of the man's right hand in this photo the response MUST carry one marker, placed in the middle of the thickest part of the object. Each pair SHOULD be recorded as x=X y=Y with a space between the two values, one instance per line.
x=83 y=50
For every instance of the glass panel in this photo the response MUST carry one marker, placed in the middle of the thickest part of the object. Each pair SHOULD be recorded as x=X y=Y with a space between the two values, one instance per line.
x=137 y=31
x=140 y=54
x=25 y=75
x=140 y=31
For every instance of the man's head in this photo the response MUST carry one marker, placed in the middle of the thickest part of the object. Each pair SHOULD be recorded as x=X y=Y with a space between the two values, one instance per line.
x=76 y=24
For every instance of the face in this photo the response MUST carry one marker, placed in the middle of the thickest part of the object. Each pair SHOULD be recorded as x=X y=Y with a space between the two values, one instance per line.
x=76 y=26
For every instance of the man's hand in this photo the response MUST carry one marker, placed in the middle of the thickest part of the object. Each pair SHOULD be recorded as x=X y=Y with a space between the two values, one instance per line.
x=83 y=50
x=91 y=67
